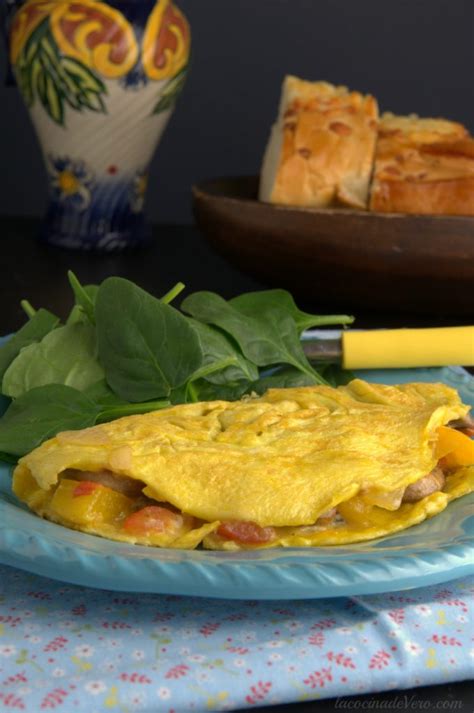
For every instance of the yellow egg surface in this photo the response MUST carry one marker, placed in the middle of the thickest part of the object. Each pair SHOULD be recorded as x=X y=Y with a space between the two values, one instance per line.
x=260 y=472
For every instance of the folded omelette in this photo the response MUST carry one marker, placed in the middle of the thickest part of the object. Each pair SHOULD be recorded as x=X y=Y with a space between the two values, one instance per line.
x=296 y=467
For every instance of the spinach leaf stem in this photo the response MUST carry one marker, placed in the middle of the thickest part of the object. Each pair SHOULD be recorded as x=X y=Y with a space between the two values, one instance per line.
x=191 y=390
x=173 y=293
x=28 y=308
x=109 y=414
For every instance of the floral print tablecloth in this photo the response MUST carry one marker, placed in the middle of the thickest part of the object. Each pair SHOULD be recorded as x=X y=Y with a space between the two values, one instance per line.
x=72 y=649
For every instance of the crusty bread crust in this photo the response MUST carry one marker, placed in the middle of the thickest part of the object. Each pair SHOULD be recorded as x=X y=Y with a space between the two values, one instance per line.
x=328 y=147
x=443 y=197
x=463 y=148
x=423 y=166
x=322 y=147
x=415 y=129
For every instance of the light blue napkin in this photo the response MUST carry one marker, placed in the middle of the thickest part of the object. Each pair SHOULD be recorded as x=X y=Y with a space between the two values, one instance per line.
x=72 y=649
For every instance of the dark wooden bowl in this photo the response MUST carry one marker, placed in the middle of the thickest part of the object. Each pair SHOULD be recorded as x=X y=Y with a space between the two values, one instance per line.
x=412 y=263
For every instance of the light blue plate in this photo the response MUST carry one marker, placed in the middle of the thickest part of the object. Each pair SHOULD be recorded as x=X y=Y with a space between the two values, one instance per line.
x=436 y=551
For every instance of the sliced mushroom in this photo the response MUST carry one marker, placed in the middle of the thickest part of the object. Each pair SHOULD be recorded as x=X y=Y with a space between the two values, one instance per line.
x=465 y=422
x=327 y=518
x=120 y=483
x=425 y=486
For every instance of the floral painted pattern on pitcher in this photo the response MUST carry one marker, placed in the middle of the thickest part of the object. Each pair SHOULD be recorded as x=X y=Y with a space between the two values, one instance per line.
x=63 y=50
x=77 y=63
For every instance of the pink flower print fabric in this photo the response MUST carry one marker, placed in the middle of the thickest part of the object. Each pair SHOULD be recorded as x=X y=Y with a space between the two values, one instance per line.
x=73 y=649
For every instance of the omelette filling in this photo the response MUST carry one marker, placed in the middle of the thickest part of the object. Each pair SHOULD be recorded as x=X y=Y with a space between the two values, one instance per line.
x=108 y=502
x=104 y=497
x=83 y=497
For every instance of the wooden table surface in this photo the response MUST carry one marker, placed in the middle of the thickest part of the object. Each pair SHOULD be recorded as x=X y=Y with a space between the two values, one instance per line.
x=177 y=253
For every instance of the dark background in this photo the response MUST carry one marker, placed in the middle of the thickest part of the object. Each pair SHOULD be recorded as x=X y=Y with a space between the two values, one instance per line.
x=413 y=55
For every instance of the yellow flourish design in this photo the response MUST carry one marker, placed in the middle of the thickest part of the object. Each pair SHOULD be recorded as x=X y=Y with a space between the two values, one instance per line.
x=166 y=41
x=25 y=21
x=88 y=30
x=95 y=34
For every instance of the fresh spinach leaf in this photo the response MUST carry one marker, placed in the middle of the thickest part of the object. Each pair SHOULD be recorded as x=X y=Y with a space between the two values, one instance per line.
x=7 y=458
x=85 y=297
x=110 y=413
x=216 y=346
x=286 y=378
x=266 y=339
x=335 y=375
x=67 y=355
x=255 y=304
x=232 y=391
x=101 y=393
x=181 y=395
x=41 y=414
x=112 y=406
x=203 y=390
x=147 y=348
x=4 y=403
x=77 y=316
x=41 y=323
x=208 y=370
x=188 y=392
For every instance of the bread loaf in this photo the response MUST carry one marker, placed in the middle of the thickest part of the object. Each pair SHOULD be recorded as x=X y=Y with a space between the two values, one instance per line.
x=321 y=148
x=328 y=147
x=423 y=166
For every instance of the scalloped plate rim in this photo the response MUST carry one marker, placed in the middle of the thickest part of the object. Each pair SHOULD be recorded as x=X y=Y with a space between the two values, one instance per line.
x=53 y=551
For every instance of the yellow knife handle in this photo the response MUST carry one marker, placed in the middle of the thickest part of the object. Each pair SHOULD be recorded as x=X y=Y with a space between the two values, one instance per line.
x=404 y=348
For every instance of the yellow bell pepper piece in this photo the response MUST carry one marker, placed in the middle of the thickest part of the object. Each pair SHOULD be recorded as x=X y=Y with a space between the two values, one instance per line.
x=27 y=489
x=454 y=447
x=356 y=512
x=78 y=504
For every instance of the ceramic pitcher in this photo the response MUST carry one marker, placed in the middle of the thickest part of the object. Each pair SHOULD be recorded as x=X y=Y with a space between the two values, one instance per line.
x=100 y=80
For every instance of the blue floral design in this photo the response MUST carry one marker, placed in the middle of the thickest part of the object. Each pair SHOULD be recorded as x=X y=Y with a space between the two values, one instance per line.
x=71 y=182
x=135 y=79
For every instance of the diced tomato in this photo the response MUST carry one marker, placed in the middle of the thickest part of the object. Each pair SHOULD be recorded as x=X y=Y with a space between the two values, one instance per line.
x=247 y=532
x=152 y=519
x=86 y=487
